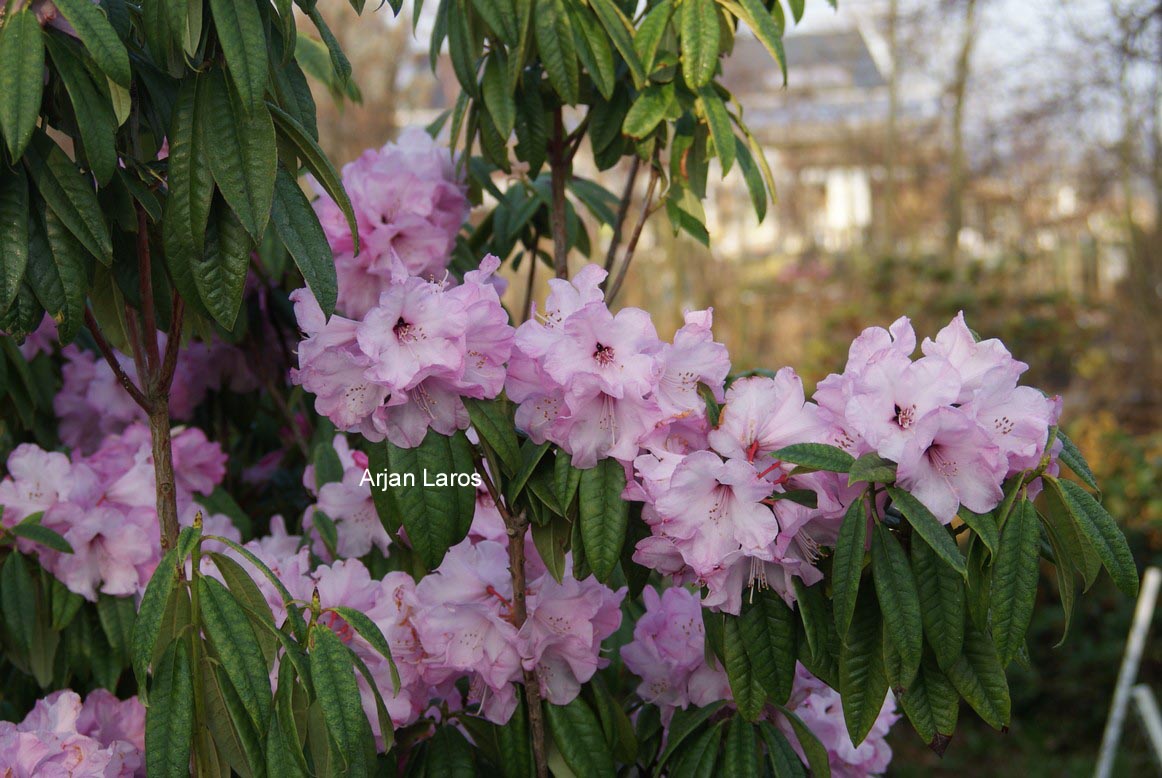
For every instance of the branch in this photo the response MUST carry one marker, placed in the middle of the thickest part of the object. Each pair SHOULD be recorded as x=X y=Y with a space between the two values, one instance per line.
x=145 y=284
x=516 y=526
x=631 y=247
x=532 y=255
x=111 y=358
x=622 y=212
x=559 y=170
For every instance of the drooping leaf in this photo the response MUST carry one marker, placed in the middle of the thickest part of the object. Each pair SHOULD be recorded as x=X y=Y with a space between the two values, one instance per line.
x=234 y=642
x=749 y=694
x=578 y=736
x=699 y=757
x=95 y=119
x=220 y=274
x=149 y=616
x=13 y=233
x=847 y=563
x=100 y=39
x=1100 y=529
x=862 y=681
x=621 y=33
x=684 y=723
x=698 y=27
x=1072 y=458
x=240 y=34
x=929 y=527
x=741 y=752
x=604 y=515
x=21 y=79
x=492 y=420
x=299 y=230
x=70 y=195
x=895 y=587
x=555 y=44
x=817 y=758
x=767 y=627
x=339 y=700
x=980 y=678
x=169 y=719
x=942 y=606
x=1014 y=581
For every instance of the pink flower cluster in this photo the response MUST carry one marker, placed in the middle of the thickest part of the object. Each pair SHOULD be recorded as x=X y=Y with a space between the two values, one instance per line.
x=955 y=421
x=668 y=654
x=407 y=365
x=104 y=505
x=92 y=404
x=103 y=737
x=820 y=708
x=456 y=623
x=409 y=206
x=600 y=384
x=718 y=514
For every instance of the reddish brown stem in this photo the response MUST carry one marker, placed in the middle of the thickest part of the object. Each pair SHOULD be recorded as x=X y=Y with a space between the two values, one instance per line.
x=145 y=284
x=631 y=246
x=111 y=358
x=559 y=164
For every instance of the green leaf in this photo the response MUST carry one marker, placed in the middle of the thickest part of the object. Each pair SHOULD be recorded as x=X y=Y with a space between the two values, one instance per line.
x=14 y=217
x=370 y=632
x=253 y=602
x=241 y=148
x=100 y=39
x=942 y=606
x=782 y=757
x=749 y=694
x=190 y=191
x=578 y=735
x=929 y=527
x=1100 y=529
x=498 y=93
x=95 y=119
x=42 y=535
x=847 y=564
x=604 y=515
x=554 y=35
x=70 y=195
x=118 y=616
x=169 y=719
x=1014 y=581
x=650 y=32
x=754 y=180
x=317 y=163
x=593 y=50
x=492 y=420
x=58 y=273
x=450 y=755
x=299 y=230
x=980 y=678
x=984 y=525
x=862 y=681
x=338 y=696
x=386 y=728
x=816 y=752
x=816 y=456
x=240 y=34
x=21 y=79
x=648 y=110
x=684 y=723
x=700 y=758
x=763 y=25
x=149 y=617
x=698 y=27
x=767 y=627
x=620 y=31
x=931 y=704
x=551 y=540
x=1066 y=583
x=18 y=602
x=220 y=275
x=718 y=121
x=899 y=602
x=1079 y=552
x=233 y=734
x=741 y=754
x=514 y=744
x=1072 y=458
x=872 y=468
x=500 y=15
x=233 y=639
x=436 y=517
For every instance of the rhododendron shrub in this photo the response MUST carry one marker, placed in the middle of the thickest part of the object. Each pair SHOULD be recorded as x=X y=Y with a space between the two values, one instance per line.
x=289 y=489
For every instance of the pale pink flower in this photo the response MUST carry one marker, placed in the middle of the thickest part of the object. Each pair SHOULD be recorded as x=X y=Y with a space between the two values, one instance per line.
x=762 y=415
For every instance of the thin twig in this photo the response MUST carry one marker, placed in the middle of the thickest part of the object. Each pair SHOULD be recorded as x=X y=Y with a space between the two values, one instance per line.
x=631 y=246
x=173 y=344
x=145 y=283
x=111 y=358
x=622 y=212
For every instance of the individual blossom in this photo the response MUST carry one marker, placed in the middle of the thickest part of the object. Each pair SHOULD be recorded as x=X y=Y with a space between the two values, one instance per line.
x=61 y=736
x=409 y=204
x=561 y=637
x=819 y=707
x=763 y=415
